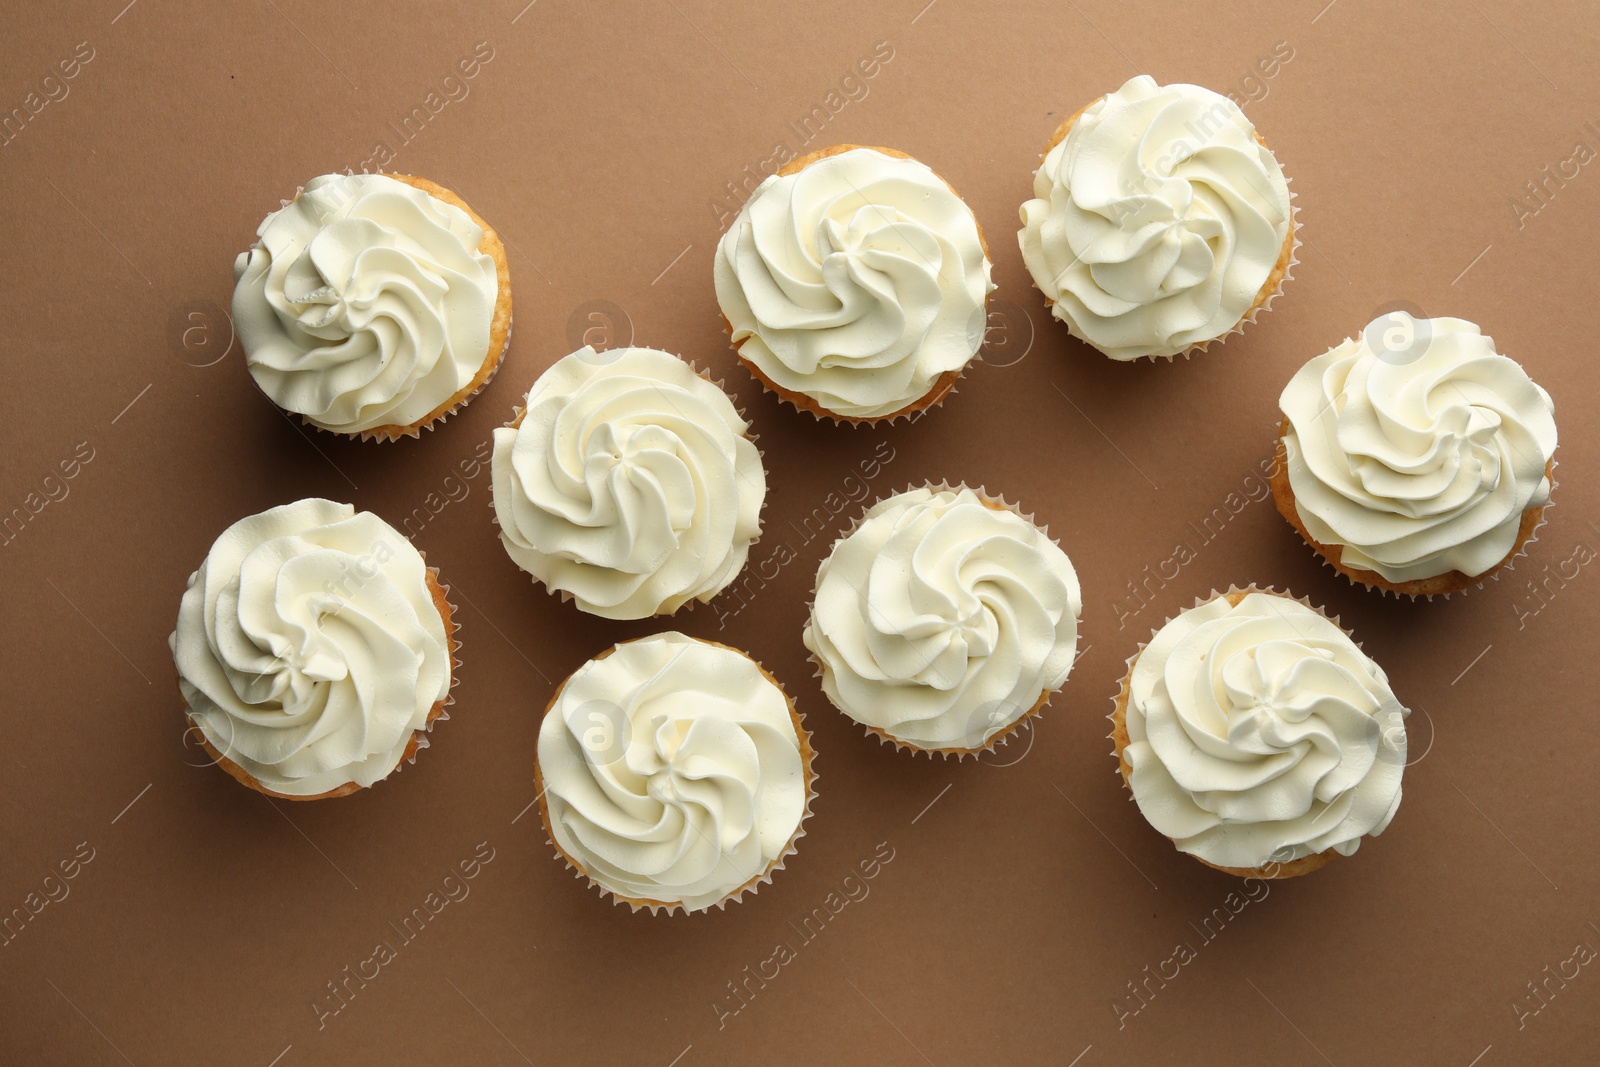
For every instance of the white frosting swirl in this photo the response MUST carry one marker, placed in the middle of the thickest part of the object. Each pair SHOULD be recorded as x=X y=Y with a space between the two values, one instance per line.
x=1260 y=733
x=941 y=621
x=630 y=483
x=1156 y=221
x=856 y=281
x=364 y=303
x=309 y=647
x=1416 y=447
x=672 y=771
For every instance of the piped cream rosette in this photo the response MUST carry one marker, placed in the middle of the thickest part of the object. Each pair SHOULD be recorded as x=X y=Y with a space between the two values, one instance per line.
x=314 y=650
x=674 y=773
x=944 y=620
x=1255 y=734
x=629 y=483
x=1160 y=222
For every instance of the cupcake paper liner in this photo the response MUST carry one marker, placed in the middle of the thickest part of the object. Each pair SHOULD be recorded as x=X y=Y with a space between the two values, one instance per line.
x=934 y=398
x=1509 y=565
x=748 y=888
x=440 y=711
x=565 y=596
x=1028 y=719
x=1269 y=871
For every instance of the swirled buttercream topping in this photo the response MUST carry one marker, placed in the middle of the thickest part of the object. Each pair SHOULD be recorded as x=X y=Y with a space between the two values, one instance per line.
x=364 y=302
x=1416 y=448
x=857 y=281
x=309 y=647
x=629 y=483
x=672 y=771
x=1156 y=221
x=941 y=620
x=1260 y=733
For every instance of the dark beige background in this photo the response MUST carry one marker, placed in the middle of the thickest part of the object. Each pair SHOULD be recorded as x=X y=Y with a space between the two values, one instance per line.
x=1025 y=892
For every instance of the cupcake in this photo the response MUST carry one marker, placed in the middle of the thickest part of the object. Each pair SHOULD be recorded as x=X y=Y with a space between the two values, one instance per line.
x=673 y=773
x=373 y=305
x=855 y=284
x=1415 y=458
x=1258 y=737
x=629 y=483
x=1160 y=221
x=943 y=620
x=313 y=649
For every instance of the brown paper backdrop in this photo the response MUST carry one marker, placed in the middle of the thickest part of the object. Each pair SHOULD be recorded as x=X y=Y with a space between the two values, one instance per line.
x=1024 y=893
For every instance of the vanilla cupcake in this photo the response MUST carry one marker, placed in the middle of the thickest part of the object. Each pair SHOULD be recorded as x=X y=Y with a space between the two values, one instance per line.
x=1258 y=737
x=1415 y=458
x=373 y=305
x=313 y=649
x=855 y=284
x=673 y=773
x=1160 y=221
x=629 y=483
x=943 y=620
